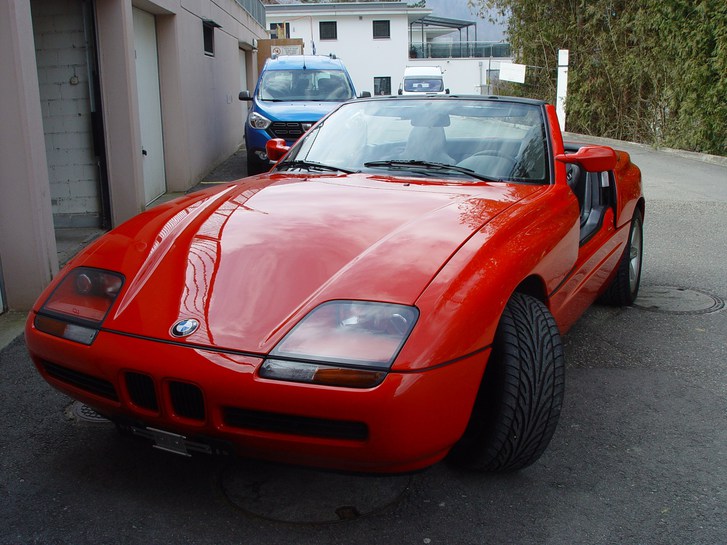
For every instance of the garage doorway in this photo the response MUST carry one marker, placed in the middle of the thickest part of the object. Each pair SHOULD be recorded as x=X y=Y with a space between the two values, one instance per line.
x=150 y=111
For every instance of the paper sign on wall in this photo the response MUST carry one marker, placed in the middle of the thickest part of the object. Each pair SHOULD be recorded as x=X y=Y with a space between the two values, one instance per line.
x=509 y=71
x=285 y=50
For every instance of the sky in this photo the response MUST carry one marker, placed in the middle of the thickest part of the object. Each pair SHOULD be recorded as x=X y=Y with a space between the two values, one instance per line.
x=458 y=9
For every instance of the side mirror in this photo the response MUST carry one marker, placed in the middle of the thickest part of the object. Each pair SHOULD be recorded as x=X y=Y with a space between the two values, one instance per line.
x=446 y=91
x=401 y=92
x=365 y=94
x=244 y=95
x=591 y=158
x=276 y=149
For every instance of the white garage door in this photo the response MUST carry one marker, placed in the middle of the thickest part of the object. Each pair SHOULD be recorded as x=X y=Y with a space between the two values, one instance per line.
x=150 y=112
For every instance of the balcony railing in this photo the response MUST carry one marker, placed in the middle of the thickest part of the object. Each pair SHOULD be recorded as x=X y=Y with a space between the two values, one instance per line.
x=256 y=9
x=459 y=50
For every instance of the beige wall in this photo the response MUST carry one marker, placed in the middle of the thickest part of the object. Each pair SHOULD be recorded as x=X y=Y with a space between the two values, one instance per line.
x=200 y=110
x=201 y=119
x=27 y=240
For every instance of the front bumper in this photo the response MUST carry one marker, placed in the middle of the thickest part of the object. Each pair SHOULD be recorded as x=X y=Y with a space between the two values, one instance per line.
x=408 y=422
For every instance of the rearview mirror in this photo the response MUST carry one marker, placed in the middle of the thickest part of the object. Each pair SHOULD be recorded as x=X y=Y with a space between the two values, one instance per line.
x=276 y=149
x=591 y=158
x=244 y=95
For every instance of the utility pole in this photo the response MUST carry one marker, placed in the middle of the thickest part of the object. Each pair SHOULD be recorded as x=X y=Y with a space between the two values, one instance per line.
x=562 y=89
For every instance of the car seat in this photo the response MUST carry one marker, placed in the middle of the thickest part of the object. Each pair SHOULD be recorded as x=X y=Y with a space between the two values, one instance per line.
x=427 y=144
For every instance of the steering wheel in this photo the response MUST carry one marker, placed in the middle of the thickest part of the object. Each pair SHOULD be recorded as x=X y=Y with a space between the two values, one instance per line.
x=490 y=162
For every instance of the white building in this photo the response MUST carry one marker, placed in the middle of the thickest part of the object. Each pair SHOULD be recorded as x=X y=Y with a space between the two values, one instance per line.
x=377 y=40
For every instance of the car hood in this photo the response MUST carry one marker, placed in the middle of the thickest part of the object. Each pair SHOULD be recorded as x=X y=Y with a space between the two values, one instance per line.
x=295 y=110
x=248 y=260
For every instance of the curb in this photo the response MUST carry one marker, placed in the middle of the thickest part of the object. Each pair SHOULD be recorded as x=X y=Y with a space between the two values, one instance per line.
x=695 y=156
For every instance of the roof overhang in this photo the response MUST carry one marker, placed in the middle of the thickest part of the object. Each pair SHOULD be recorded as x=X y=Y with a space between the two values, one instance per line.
x=345 y=8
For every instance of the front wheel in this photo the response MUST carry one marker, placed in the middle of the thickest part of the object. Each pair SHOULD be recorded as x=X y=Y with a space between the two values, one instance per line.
x=519 y=401
x=624 y=287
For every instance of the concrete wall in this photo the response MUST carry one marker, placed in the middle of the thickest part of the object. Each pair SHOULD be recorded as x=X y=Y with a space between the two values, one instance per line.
x=201 y=116
x=27 y=241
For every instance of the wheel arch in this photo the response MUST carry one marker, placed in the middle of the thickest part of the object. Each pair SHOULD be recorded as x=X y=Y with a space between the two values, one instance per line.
x=534 y=286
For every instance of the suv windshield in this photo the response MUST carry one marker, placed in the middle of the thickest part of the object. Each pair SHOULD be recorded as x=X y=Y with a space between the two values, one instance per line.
x=423 y=85
x=494 y=140
x=305 y=85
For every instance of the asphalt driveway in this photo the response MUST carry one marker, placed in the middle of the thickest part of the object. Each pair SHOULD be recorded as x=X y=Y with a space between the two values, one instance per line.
x=639 y=457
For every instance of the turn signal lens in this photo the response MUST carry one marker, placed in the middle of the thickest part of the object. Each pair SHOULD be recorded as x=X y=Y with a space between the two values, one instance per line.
x=79 y=304
x=342 y=343
x=59 y=328
x=313 y=373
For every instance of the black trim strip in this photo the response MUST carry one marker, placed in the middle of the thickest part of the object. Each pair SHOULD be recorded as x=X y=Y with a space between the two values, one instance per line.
x=565 y=279
x=282 y=358
x=443 y=364
x=185 y=345
x=573 y=270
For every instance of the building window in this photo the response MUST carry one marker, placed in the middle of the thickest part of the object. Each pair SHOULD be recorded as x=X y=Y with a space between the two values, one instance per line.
x=279 y=31
x=382 y=29
x=328 y=30
x=382 y=85
x=208 y=34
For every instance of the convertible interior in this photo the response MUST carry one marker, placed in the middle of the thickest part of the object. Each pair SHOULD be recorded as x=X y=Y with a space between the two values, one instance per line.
x=595 y=193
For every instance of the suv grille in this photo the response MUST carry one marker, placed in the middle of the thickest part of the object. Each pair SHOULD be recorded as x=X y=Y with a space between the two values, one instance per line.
x=289 y=130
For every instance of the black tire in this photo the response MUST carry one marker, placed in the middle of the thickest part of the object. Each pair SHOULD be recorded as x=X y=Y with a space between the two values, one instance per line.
x=519 y=401
x=624 y=288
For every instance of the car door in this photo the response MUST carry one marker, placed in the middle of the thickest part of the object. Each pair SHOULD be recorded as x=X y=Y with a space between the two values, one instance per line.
x=600 y=244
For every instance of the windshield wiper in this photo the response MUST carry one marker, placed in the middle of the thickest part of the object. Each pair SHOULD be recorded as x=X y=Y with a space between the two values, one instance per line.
x=310 y=165
x=407 y=164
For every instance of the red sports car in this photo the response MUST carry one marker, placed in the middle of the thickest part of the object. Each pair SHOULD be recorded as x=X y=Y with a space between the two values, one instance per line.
x=391 y=293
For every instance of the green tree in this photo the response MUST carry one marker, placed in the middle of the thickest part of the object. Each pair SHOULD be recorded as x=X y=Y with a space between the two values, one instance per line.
x=651 y=71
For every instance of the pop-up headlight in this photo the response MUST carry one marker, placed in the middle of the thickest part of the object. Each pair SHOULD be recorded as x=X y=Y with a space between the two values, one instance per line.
x=343 y=343
x=79 y=304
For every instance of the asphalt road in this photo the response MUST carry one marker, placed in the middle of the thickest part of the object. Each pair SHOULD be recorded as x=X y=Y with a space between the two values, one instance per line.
x=639 y=457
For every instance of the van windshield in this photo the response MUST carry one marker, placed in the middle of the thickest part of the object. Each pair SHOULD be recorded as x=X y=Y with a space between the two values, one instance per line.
x=305 y=85
x=423 y=85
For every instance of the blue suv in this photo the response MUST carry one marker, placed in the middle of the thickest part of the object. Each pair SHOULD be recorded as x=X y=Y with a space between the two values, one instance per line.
x=292 y=93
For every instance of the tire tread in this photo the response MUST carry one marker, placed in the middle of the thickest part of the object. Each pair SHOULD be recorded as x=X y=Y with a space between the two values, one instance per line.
x=529 y=355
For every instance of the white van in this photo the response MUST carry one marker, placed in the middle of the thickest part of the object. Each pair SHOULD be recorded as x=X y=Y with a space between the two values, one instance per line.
x=423 y=80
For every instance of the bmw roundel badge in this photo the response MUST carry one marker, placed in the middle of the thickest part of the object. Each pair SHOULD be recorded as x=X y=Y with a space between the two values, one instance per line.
x=184 y=327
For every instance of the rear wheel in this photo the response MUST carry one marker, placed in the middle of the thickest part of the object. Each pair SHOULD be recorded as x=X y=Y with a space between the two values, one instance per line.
x=519 y=401
x=624 y=287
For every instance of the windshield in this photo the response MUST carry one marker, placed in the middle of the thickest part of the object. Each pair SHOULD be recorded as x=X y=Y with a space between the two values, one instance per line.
x=495 y=140
x=305 y=85
x=423 y=85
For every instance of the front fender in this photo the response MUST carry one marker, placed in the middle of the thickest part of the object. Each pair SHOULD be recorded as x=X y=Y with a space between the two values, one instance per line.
x=461 y=307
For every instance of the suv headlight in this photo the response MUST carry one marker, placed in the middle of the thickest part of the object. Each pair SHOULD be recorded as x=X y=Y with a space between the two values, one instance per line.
x=258 y=121
x=342 y=343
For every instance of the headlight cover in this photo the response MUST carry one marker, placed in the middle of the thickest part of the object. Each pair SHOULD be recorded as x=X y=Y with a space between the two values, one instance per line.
x=258 y=121
x=345 y=343
x=79 y=304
